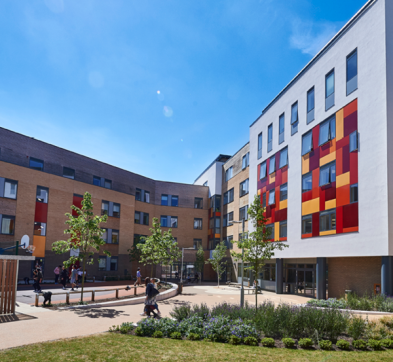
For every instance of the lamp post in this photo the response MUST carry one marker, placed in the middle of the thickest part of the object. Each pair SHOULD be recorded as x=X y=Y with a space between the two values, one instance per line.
x=242 y=286
x=182 y=256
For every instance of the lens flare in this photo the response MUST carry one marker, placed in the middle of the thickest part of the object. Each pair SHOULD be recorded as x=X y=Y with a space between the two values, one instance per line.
x=158 y=92
x=168 y=112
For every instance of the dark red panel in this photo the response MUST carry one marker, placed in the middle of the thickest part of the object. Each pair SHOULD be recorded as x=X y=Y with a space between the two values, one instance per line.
x=330 y=192
x=322 y=200
x=307 y=196
x=314 y=159
x=41 y=212
x=343 y=142
x=350 y=215
x=268 y=211
x=76 y=201
x=346 y=159
x=277 y=160
x=339 y=220
x=315 y=224
x=315 y=137
x=280 y=215
x=271 y=186
x=350 y=108
x=353 y=167
x=350 y=123
x=325 y=149
x=278 y=177
x=273 y=217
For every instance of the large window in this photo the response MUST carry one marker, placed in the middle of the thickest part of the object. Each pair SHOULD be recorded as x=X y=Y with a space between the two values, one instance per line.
x=108 y=184
x=353 y=141
x=307 y=224
x=283 y=192
x=283 y=229
x=228 y=196
x=116 y=210
x=283 y=157
x=272 y=165
x=262 y=172
x=354 y=193
x=245 y=160
x=310 y=105
x=307 y=143
x=329 y=90
x=102 y=263
x=175 y=201
x=104 y=207
x=138 y=194
x=270 y=138
x=264 y=199
x=230 y=218
x=198 y=224
x=96 y=181
x=327 y=174
x=164 y=221
x=259 y=145
x=327 y=220
x=228 y=242
x=307 y=182
x=198 y=203
x=141 y=218
x=197 y=243
x=7 y=225
x=115 y=236
x=42 y=194
x=142 y=195
x=270 y=231
x=36 y=164
x=281 y=129
x=228 y=173
x=173 y=221
x=294 y=119
x=243 y=188
x=243 y=214
x=114 y=263
x=40 y=228
x=327 y=130
x=164 y=200
x=146 y=197
x=139 y=239
x=69 y=173
x=352 y=72
x=10 y=189
x=272 y=198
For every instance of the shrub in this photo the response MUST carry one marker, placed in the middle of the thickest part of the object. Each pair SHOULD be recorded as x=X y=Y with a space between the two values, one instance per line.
x=359 y=344
x=139 y=331
x=158 y=334
x=374 y=344
x=217 y=329
x=148 y=326
x=126 y=327
x=243 y=329
x=194 y=337
x=342 y=344
x=167 y=326
x=377 y=330
x=305 y=342
x=267 y=342
x=201 y=311
x=176 y=335
x=387 y=343
x=325 y=344
x=288 y=342
x=329 y=303
x=114 y=328
x=387 y=321
x=234 y=340
x=192 y=324
x=181 y=312
x=357 y=327
x=251 y=341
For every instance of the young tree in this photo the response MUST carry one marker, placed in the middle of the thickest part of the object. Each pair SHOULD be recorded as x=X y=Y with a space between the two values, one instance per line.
x=216 y=262
x=258 y=247
x=158 y=247
x=200 y=261
x=84 y=233
x=134 y=253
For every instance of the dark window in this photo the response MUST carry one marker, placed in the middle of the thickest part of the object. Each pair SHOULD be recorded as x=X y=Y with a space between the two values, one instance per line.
x=327 y=130
x=115 y=236
x=243 y=188
x=310 y=105
x=329 y=90
x=217 y=226
x=264 y=199
x=245 y=160
x=69 y=173
x=243 y=214
x=283 y=157
x=175 y=201
x=108 y=184
x=105 y=235
x=307 y=224
x=352 y=72
x=138 y=194
x=272 y=165
x=10 y=189
x=139 y=239
x=262 y=172
x=353 y=141
x=114 y=263
x=164 y=221
x=228 y=196
x=270 y=231
x=228 y=174
x=40 y=228
x=270 y=138
x=225 y=220
x=198 y=203
x=7 y=225
x=230 y=218
x=197 y=243
x=96 y=181
x=327 y=174
x=102 y=263
x=105 y=208
x=198 y=224
x=283 y=229
x=116 y=210
x=228 y=242
x=283 y=192
x=354 y=193
x=307 y=182
x=259 y=145
x=327 y=220
x=281 y=128
x=137 y=219
x=307 y=143
x=147 y=197
x=173 y=221
x=42 y=194
x=145 y=219
x=36 y=164
x=164 y=200
x=294 y=119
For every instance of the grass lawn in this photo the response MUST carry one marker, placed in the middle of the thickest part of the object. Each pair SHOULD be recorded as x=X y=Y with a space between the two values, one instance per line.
x=118 y=347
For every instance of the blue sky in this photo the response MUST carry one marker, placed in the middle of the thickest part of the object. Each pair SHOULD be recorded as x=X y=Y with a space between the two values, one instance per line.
x=157 y=87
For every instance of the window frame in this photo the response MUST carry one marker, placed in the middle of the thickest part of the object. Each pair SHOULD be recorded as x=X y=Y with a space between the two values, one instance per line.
x=322 y=168
x=117 y=263
x=8 y=217
x=259 y=145
x=329 y=121
x=353 y=148
x=281 y=122
x=308 y=174
x=281 y=153
x=195 y=202
x=281 y=224
x=139 y=218
x=106 y=181
x=304 y=219
x=69 y=169
x=175 y=197
x=176 y=222
x=47 y=194
x=328 y=213
x=197 y=243
x=37 y=160
x=102 y=209
x=328 y=105
x=294 y=122
x=138 y=194
x=145 y=215
x=96 y=178
x=245 y=182
x=270 y=136
x=118 y=213
x=11 y=182
x=114 y=231
x=99 y=259
x=246 y=161
x=146 y=199
x=281 y=196
x=263 y=166
x=245 y=210
x=167 y=199
x=309 y=133
x=199 y=223
x=272 y=192
x=272 y=163
x=41 y=228
x=349 y=56
x=310 y=112
x=357 y=193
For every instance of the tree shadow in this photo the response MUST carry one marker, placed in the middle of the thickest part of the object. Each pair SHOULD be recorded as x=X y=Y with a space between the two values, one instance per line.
x=98 y=312
x=172 y=301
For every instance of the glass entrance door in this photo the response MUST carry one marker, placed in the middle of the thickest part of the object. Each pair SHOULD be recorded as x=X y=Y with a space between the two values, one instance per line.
x=300 y=279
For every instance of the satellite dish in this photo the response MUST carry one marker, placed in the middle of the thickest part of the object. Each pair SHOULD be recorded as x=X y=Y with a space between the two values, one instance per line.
x=24 y=243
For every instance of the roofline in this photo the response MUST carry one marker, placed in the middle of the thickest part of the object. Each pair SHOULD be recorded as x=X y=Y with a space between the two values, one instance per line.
x=330 y=43
x=238 y=151
x=215 y=160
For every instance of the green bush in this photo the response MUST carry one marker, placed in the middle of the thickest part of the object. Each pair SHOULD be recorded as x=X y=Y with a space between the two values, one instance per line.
x=114 y=328
x=251 y=341
x=267 y=342
x=234 y=340
x=387 y=343
x=194 y=337
x=288 y=342
x=139 y=331
x=328 y=303
x=325 y=344
x=374 y=344
x=305 y=342
x=176 y=335
x=181 y=312
x=158 y=334
x=357 y=327
x=342 y=344
x=359 y=344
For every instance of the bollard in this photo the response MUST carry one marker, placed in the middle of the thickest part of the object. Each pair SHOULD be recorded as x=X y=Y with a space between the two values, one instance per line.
x=36 y=300
x=93 y=295
x=135 y=290
x=68 y=298
x=117 y=293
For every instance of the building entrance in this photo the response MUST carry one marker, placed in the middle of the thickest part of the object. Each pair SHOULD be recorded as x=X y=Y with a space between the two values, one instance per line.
x=300 y=279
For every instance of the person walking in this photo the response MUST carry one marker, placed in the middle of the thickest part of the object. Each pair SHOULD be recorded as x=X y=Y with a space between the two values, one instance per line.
x=150 y=300
x=63 y=277
x=138 y=278
x=57 y=274
x=74 y=276
x=38 y=280
x=35 y=279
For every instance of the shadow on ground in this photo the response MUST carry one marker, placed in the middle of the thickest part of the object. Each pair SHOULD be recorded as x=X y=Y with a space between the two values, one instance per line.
x=172 y=301
x=98 y=312
x=15 y=318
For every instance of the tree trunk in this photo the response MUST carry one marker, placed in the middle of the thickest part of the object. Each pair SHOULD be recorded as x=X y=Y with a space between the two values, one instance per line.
x=151 y=271
x=218 y=278
x=83 y=278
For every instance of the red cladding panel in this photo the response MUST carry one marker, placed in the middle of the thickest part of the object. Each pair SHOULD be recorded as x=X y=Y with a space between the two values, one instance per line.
x=350 y=215
x=350 y=108
x=353 y=167
x=322 y=200
x=315 y=224
x=278 y=181
x=350 y=123
x=278 y=160
x=307 y=196
x=280 y=215
x=339 y=162
x=341 y=143
x=268 y=211
x=315 y=183
x=346 y=159
x=284 y=175
x=76 y=201
x=315 y=137
x=330 y=192
x=325 y=149
x=339 y=220
x=314 y=159
x=271 y=186
x=41 y=212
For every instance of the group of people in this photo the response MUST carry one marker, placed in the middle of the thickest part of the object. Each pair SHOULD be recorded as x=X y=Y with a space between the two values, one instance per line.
x=151 y=294
x=74 y=276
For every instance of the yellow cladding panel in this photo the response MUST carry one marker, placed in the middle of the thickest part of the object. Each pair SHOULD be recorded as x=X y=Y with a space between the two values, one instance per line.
x=305 y=164
x=259 y=192
x=272 y=177
x=329 y=232
x=340 y=124
x=276 y=231
x=309 y=207
x=342 y=180
x=331 y=204
x=39 y=243
x=328 y=158
x=283 y=204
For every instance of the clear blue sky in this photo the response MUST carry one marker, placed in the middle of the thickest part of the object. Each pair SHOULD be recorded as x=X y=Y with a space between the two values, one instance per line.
x=157 y=87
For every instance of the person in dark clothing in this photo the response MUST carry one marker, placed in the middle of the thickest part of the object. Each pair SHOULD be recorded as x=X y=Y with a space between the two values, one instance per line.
x=64 y=277
x=150 y=300
x=37 y=280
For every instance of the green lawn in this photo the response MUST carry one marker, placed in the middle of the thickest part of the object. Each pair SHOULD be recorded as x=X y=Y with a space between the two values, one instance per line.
x=117 y=347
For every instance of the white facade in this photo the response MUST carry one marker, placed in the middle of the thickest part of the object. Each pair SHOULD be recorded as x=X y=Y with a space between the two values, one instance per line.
x=213 y=176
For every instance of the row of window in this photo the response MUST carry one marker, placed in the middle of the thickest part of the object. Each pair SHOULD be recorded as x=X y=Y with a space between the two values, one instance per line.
x=352 y=84
x=228 y=218
x=327 y=221
x=110 y=208
x=272 y=164
x=229 y=195
x=142 y=218
x=282 y=230
x=111 y=236
x=107 y=263
x=138 y=239
x=169 y=200
x=272 y=195
x=245 y=164
x=168 y=221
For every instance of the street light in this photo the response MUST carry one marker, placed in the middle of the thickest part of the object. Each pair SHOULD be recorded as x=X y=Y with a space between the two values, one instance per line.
x=182 y=255
x=242 y=286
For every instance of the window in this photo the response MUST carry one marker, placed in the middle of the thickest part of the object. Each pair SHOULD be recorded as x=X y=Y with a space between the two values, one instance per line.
x=270 y=231
x=164 y=221
x=96 y=180
x=281 y=128
x=294 y=119
x=228 y=196
x=198 y=224
x=147 y=197
x=145 y=219
x=262 y=172
x=104 y=208
x=241 y=236
x=40 y=228
x=108 y=184
x=243 y=188
x=354 y=193
x=259 y=145
x=217 y=226
x=197 y=243
x=173 y=221
x=327 y=130
x=272 y=165
x=139 y=239
x=36 y=164
x=68 y=173
x=116 y=210
x=264 y=199
x=327 y=220
x=307 y=224
x=327 y=174
x=175 y=201
x=10 y=189
x=310 y=105
x=102 y=263
x=113 y=263
x=228 y=173
x=198 y=203
x=307 y=143
x=137 y=219
x=105 y=235
x=7 y=225
x=164 y=200
x=283 y=229
x=329 y=90
x=307 y=182
x=243 y=214
x=228 y=242
x=42 y=194
x=205 y=184
x=352 y=72
x=245 y=160
x=115 y=236
x=284 y=157
x=138 y=194
x=272 y=198
x=141 y=218
x=270 y=138
x=283 y=192
x=353 y=141
x=225 y=220
x=230 y=218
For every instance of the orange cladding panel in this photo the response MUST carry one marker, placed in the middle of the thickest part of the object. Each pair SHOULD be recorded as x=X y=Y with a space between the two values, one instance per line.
x=343 y=195
x=350 y=108
x=315 y=183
